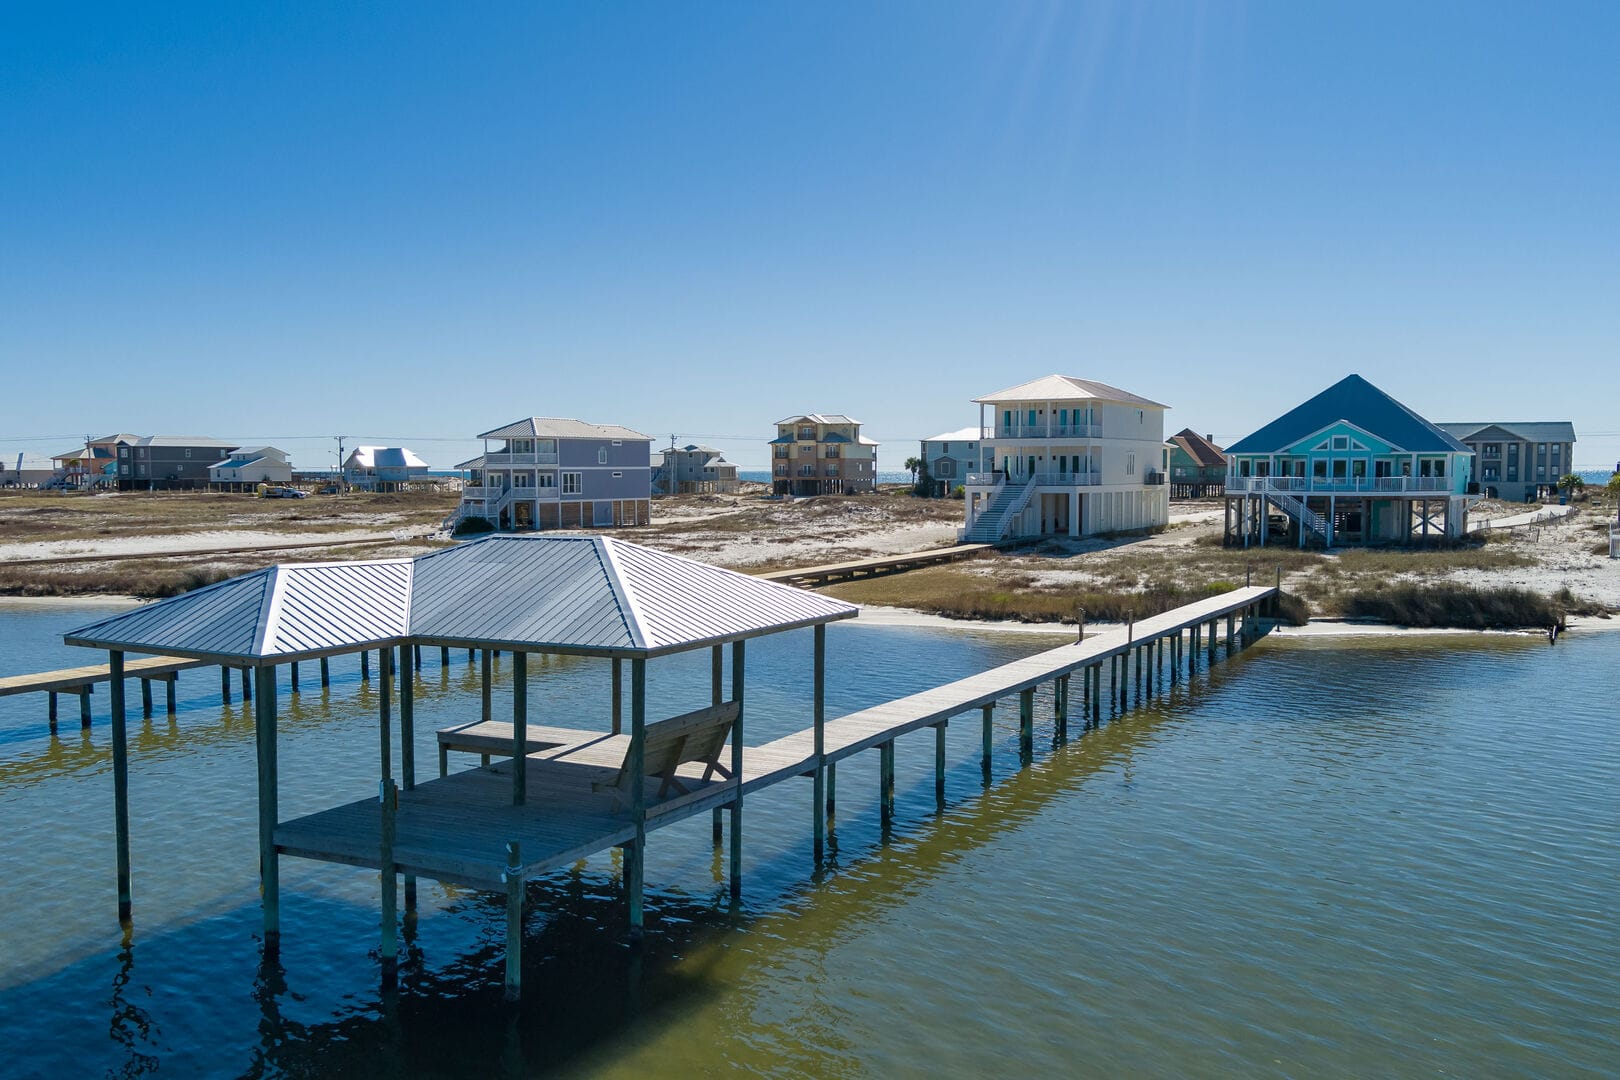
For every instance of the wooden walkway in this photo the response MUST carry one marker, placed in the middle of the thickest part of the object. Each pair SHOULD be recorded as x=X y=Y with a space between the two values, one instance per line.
x=456 y=828
x=808 y=576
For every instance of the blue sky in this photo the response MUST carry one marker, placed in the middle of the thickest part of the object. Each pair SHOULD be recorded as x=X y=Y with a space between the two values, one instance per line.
x=415 y=222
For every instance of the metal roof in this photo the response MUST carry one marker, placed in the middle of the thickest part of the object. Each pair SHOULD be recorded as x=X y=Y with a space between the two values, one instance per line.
x=536 y=593
x=554 y=427
x=186 y=440
x=1066 y=388
x=384 y=457
x=820 y=418
x=967 y=434
x=1534 y=431
x=1356 y=401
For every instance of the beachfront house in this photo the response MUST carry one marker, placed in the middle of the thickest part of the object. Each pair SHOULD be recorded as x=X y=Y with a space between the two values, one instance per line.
x=1350 y=466
x=93 y=465
x=694 y=470
x=1522 y=462
x=552 y=473
x=26 y=470
x=948 y=458
x=382 y=468
x=1197 y=466
x=1069 y=457
x=169 y=462
x=818 y=454
x=250 y=467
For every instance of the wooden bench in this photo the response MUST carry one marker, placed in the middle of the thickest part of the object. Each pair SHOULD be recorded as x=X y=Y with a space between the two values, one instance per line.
x=494 y=737
x=694 y=737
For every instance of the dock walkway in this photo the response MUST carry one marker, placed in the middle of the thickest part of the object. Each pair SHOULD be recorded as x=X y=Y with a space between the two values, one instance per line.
x=456 y=827
x=827 y=573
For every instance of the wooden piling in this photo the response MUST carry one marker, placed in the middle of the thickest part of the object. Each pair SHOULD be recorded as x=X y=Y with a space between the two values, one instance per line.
x=247 y=686
x=120 y=756
x=886 y=783
x=407 y=760
x=84 y=704
x=738 y=655
x=636 y=764
x=224 y=685
x=818 y=710
x=264 y=740
x=146 y=698
x=939 y=765
x=168 y=691
x=444 y=656
x=717 y=672
x=326 y=673
x=365 y=666
x=486 y=713
x=52 y=708
x=1026 y=723
x=389 y=920
x=1060 y=701
x=513 y=879
x=520 y=729
x=989 y=710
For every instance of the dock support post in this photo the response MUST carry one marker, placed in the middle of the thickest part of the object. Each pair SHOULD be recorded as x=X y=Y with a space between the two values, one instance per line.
x=1060 y=701
x=832 y=788
x=486 y=715
x=1231 y=631
x=365 y=665
x=513 y=879
x=738 y=655
x=52 y=707
x=520 y=729
x=224 y=685
x=818 y=811
x=444 y=656
x=636 y=850
x=326 y=673
x=1026 y=724
x=292 y=677
x=168 y=690
x=886 y=783
x=264 y=732
x=717 y=670
x=84 y=704
x=247 y=686
x=416 y=655
x=1125 y=680
x=120 y=755
x=1096 y=695
x=939 y=764
x=1214 y=637
x=146 y=698
x=407 y=760
x=390 y=882
x=618 y=696
x=989 y=711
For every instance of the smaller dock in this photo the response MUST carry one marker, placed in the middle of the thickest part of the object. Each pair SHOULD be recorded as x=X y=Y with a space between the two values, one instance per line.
x=810 y=576
x=81 y=681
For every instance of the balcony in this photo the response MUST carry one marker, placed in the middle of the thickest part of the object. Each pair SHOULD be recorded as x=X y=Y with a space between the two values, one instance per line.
x=1341 y=485
x=520 y=459
x=1048 y=431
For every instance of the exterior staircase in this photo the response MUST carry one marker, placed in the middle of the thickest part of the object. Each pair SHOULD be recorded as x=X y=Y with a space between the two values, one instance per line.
x=1295 y=508
x=1009 y=502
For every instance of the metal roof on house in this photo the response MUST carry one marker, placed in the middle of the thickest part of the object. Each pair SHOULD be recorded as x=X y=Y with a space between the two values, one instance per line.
x=184 y=441
x=237 y=461
x=1533 y=431
x=534 y=593
x=552 y=427
x=1066 y=388
x=819 y=418
x=1199 y=448
x=967 y=434
x=1356 y=401
x=471 y=463
x=384 y=457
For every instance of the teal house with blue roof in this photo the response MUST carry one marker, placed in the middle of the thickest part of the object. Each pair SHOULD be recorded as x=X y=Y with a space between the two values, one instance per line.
x=1350 y=466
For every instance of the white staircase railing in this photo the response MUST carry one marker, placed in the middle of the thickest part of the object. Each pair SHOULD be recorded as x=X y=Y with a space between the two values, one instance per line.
x=1010 y=501
x=1296 y=509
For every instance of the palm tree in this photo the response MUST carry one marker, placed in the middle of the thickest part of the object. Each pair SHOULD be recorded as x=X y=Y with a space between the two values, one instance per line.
x=1570 y=483
x=914 y=463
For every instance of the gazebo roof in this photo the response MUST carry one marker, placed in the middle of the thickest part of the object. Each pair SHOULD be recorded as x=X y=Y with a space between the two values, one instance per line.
x=574 y=594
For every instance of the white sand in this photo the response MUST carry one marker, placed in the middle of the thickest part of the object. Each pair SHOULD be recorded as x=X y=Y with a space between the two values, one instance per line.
x=182 y=543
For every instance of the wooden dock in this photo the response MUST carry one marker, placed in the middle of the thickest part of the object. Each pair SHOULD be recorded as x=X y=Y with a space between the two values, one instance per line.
x=82 y=680
x=811 y=576
x=457 y=827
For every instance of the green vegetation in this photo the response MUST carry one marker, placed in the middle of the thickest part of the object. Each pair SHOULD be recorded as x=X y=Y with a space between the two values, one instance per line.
x=1465 y=607
x=1570 y=483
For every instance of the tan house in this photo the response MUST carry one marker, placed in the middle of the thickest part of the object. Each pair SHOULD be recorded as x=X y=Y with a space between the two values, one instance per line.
x=95 y=464
x=817 y=454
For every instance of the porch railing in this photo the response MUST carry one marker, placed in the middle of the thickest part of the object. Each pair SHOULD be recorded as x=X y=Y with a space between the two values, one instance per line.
x=1295 y=485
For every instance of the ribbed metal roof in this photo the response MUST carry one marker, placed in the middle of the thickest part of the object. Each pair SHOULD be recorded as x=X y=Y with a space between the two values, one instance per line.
x=1066 y=388
x=557 y=427
x=543 y=593
x=1524 y=431
x=1356 y=401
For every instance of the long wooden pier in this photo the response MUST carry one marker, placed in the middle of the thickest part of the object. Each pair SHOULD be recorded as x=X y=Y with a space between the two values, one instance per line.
x=827 y=573
x=465 y=827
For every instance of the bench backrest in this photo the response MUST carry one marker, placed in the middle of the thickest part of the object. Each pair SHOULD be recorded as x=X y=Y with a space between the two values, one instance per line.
x=693 y=736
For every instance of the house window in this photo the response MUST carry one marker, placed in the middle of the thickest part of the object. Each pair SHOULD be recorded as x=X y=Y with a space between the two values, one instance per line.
x=601 y=456
x=188 y=453
x=570 y=483
x=1130 y=463
x=617 y=475
x=618 y=442
x=1358 y=469
x=1032 y=418
x=548 y=480
x=1339 y=469
x=522 y=480
x=1341 y=442
x=1319 y=469
x=1243 y=467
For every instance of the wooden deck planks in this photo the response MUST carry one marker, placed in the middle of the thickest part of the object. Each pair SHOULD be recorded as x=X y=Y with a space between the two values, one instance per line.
x=151 y=667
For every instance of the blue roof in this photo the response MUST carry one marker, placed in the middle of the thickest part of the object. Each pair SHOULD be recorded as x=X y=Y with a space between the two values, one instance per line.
x=1355 y=401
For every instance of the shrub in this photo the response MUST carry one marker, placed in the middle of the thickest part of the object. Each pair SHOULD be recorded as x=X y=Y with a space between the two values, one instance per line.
x=1460 y=607
x=469 y=525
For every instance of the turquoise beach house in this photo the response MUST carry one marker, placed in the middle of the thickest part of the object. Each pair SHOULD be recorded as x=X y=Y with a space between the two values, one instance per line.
x=1350 y=466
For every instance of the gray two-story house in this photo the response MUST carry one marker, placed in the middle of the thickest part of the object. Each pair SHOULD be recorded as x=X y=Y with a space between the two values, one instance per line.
x=1521 y=462
x=553 y=473
x=168 y=462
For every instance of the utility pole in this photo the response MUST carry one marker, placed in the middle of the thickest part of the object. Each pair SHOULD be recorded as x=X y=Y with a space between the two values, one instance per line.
x=342 y=482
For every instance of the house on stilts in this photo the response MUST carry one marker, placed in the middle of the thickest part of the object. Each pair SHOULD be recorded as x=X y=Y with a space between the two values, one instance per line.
x=1350 y=466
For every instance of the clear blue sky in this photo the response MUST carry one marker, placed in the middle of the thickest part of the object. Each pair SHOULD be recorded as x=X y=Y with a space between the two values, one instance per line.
x=416 y=222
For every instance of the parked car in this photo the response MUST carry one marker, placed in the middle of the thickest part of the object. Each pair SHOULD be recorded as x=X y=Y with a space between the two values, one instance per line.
x=285 y=493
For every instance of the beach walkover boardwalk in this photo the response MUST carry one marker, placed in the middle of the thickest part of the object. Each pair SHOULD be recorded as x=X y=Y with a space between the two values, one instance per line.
x=547 y=796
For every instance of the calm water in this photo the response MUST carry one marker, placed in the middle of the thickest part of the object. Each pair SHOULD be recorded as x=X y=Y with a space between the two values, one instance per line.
x=1385 y=859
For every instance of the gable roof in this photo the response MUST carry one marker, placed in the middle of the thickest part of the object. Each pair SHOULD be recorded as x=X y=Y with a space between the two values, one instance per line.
x=384 y=457
x=185 y=440
x=554 y=427
x=1066 y=388
x=1199 y=448
x=820 y=418
x=580 y=594
x=1534 y=431
x=967 y=434
x=1355 y=401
